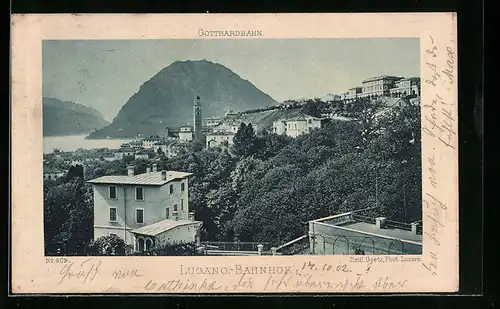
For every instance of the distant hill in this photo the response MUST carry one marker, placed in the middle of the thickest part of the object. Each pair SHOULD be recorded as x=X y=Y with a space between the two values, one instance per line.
x=166 y=100
x=69 y=118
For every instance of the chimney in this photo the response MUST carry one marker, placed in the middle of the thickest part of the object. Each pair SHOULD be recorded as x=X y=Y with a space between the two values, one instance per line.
x=130 y=170
x=380 y=222
x=155 y=167
x=191 y=216
x=148 y=169
x=163 y=175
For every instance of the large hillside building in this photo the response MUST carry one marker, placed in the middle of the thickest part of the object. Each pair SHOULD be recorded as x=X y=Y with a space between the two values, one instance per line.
x=145 y=210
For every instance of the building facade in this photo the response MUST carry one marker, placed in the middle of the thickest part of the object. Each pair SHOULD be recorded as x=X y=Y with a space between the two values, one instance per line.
x=124 y=152
x=128 y=205
x=384 y=86
x=148 y=142
x=379 y=85
x=219 y=139
x=406 y=86
x=186 y=134
x=297 y=125
x=212 y=121
x=53 y=174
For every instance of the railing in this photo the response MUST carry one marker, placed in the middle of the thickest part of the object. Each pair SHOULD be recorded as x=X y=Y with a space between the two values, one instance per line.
x=235 y=246
x=337 y=219
x=295 y=246
x=366 y=219
x=398 y=225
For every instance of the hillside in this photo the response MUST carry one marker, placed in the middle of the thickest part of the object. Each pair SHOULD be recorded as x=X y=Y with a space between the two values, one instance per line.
x=68 y=118
x=265 y=119
x=166 y=100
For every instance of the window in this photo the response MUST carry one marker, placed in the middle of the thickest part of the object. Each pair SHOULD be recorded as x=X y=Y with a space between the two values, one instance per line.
x=139 y=215
x=112 y=192
x=112 y=214
x=139 y=194
x=171 y=189
x=175 y=208
x=167 y=213
x=182 y=204
x=112 y=234
x=182 y=186
x=309 y=121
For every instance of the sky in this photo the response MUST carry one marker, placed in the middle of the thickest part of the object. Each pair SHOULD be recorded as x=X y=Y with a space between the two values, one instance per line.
x=105 y=74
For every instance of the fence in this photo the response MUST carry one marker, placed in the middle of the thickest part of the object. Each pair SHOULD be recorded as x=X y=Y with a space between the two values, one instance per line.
x=398 y=225
x=235 y=246
x=298 y=245
x=366 y=219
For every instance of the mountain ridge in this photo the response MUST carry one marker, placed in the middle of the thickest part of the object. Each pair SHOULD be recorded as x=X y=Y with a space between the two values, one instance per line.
x=166 y=99
x=69 y=118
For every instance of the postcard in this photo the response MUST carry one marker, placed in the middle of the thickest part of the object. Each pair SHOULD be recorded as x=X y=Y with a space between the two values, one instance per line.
x=234 y=153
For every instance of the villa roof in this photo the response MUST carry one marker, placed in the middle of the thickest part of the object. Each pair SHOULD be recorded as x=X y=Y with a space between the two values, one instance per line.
x=162 y=226
x=152 y=178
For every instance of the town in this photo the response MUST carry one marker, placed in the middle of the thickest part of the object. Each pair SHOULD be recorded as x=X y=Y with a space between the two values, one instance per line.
x=143 y=196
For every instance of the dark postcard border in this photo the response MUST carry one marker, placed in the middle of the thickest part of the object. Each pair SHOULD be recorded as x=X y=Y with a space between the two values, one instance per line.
x=470 y=27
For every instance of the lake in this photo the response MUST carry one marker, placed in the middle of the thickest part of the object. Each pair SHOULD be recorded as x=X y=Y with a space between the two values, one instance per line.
x=73 y=142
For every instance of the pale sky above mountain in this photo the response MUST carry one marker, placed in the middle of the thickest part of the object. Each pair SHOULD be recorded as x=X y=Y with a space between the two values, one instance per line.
x=105 y=74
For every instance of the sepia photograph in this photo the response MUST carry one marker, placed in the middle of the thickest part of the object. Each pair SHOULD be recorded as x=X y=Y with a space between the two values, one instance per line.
x=248 y=147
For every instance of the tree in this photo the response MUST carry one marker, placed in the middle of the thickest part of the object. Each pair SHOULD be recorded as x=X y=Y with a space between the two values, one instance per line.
x=74 y=171
x=244 y=141
x=68 y=219
x=107 y=245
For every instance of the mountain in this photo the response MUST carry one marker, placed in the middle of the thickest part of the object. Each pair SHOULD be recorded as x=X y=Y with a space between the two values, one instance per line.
x=69 y=118
x=166 y=100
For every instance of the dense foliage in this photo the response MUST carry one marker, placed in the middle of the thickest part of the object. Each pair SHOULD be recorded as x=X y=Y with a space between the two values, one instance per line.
x=266 y=187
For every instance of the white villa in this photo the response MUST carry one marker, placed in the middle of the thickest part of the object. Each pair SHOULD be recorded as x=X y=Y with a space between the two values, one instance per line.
x=219 y=139
x=145 y=210
x=297 y=125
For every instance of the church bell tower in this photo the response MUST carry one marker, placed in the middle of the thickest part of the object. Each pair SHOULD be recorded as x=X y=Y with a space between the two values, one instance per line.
x=197 y=119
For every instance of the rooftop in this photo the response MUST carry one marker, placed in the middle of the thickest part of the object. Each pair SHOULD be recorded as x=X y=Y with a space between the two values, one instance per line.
x=162 y=226
x=364 y=221
x=126 y=149
x=152 y=178
x=388 y=232
x=375 y=78
x=220 y=133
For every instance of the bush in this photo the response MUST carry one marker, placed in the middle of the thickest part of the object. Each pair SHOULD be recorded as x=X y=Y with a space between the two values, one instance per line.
x=107 y=245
